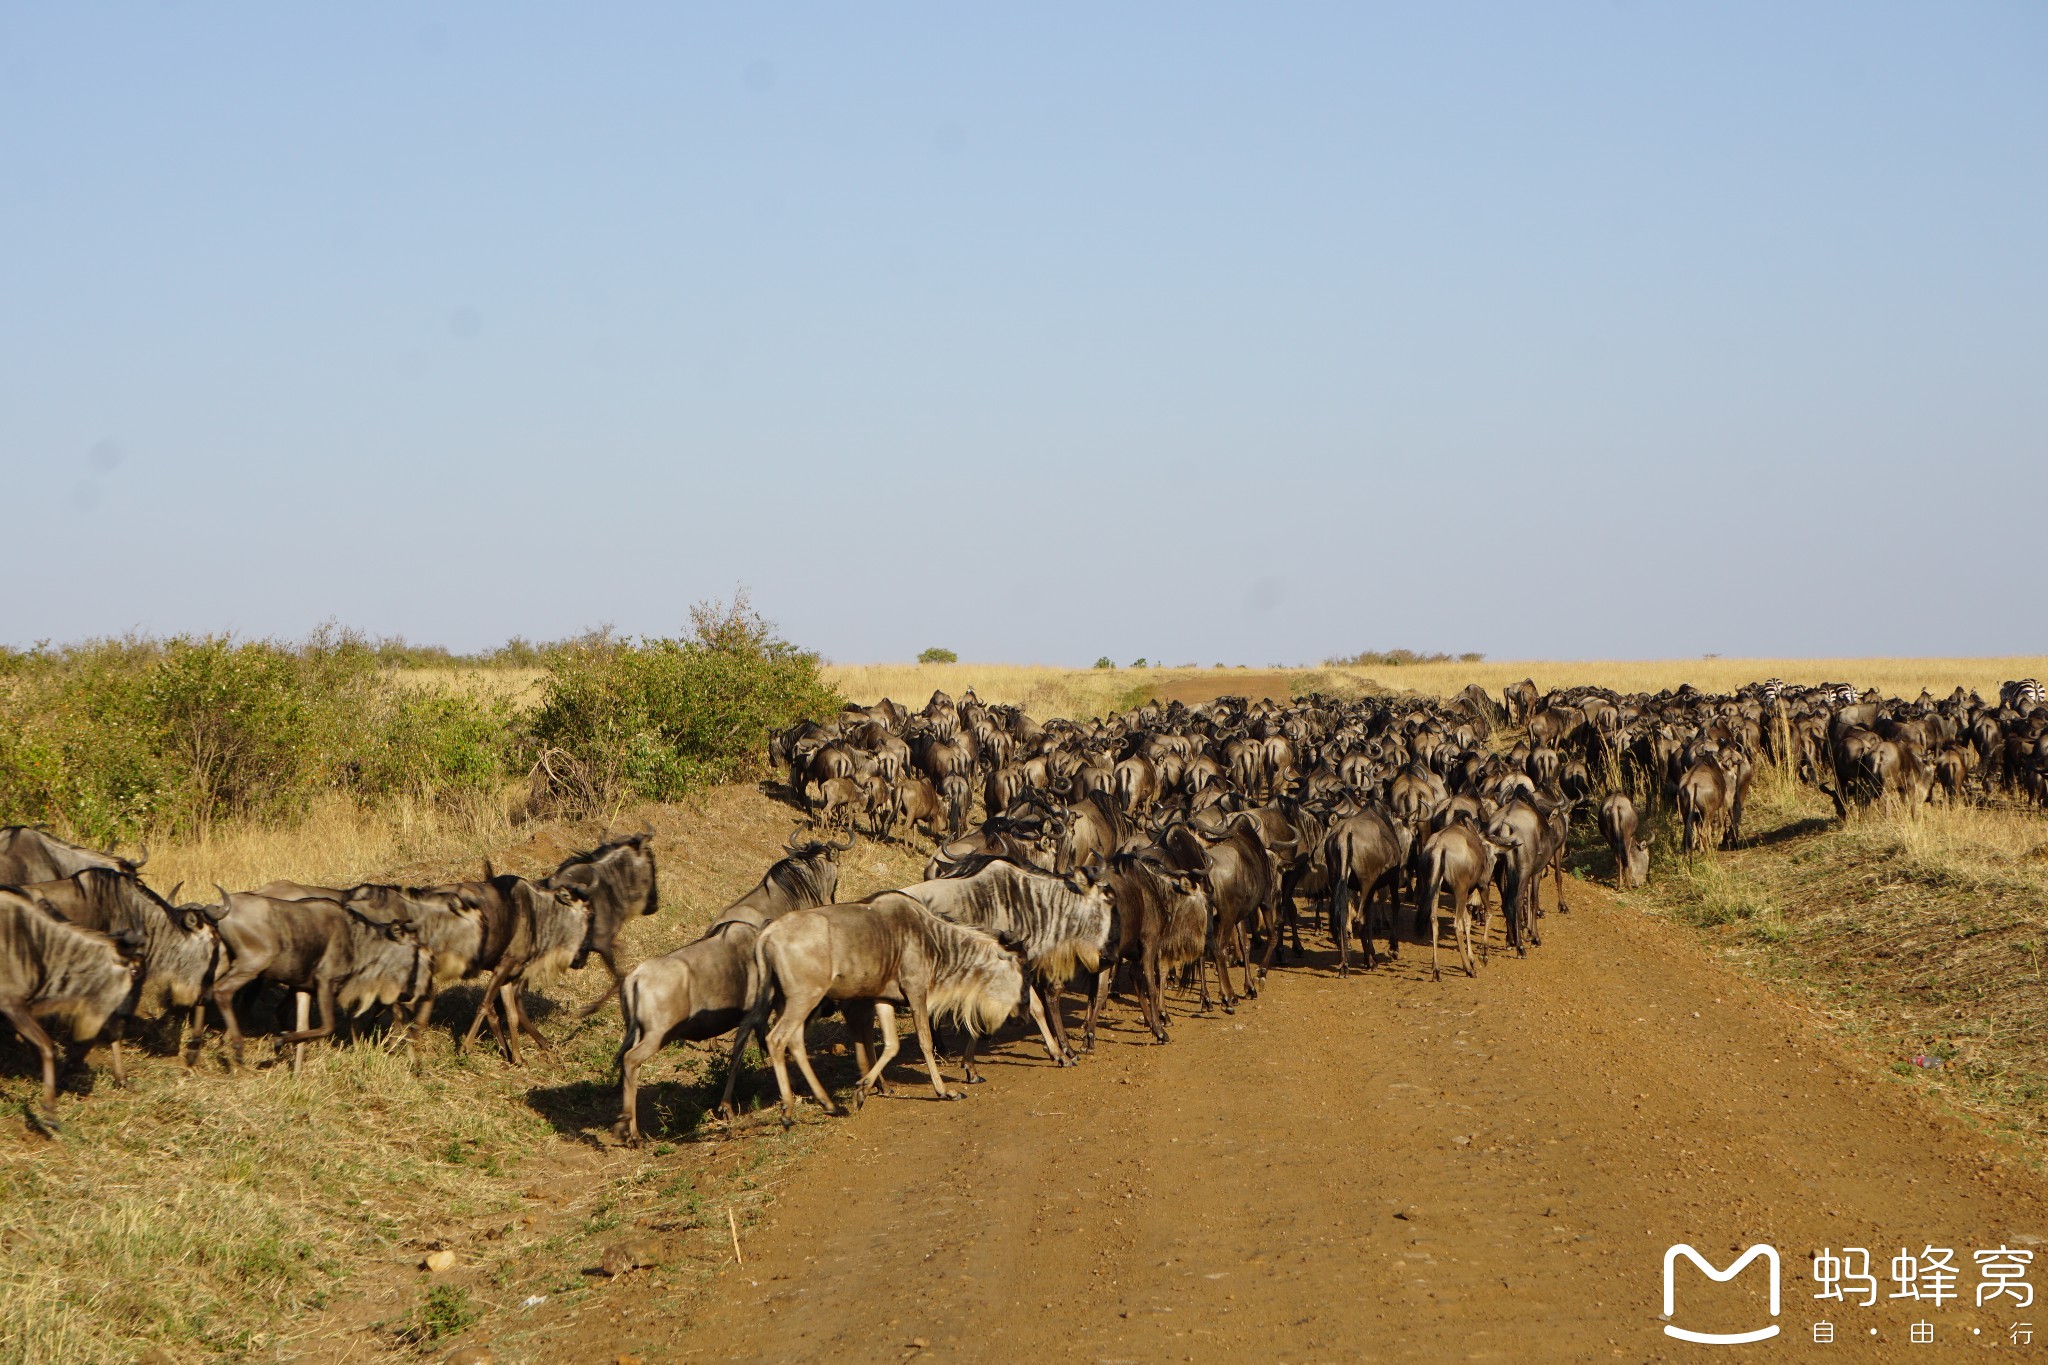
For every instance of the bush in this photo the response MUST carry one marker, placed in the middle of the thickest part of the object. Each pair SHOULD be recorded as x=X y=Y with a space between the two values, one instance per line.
x=935 y=655
x=657 y=718
x=115 y=739
x=1105 y=662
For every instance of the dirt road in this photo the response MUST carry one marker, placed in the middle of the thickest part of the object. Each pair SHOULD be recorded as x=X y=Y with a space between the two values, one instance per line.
x=1382 y=1168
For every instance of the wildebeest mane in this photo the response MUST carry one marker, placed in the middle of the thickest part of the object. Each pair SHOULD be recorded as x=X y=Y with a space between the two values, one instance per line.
x=970 y=969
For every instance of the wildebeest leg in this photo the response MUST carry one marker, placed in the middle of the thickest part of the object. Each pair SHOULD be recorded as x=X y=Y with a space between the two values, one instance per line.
x=1096 y=993
x=788 y=1030
x=1391 y=885
x=871 y=1077
x=1485 y=922
x=192 y=1035
x=604 y=955
x=1272 y=939
x=1048 y=994
x=525 y=1023
x=302 y=1004
x=859 y=1016
x=1434 y=931
x=920 y=1017
x=1463 y=897
x=1218 y=957
x=421 y=1016
x=756 y=1015
x=1340 y=922
x=114 y=1032
x=325 y=986
x=1557 y=877
x=1055 y=1052
x=225 y=988
x=508 y=1002
x=32 y=1033
x=1151 y=1000
x=1244 y=946
x=642 y=1040
x=485 y=1012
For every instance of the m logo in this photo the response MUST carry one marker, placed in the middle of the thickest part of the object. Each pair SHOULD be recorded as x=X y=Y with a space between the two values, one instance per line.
x=1671 y=1255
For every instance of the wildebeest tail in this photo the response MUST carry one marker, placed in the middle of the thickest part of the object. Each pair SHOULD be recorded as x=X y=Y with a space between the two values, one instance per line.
x=1432 y=879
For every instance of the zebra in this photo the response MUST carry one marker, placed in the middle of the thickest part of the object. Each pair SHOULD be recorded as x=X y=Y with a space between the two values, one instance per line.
x=1770 y=688
x=1838 y=694
x=2022 y=695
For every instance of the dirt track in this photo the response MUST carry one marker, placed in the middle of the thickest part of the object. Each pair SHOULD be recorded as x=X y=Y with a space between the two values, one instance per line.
x=1377 y=1168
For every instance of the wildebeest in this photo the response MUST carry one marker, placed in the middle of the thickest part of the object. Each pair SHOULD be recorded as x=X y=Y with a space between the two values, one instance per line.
x=29 y=855
x=52 y=968
x=1237 y=872
x=1531 y=840
x=507 y=926
x=1457 y=861
x=1704 y=803
x=704 y=988
x=344 y=959
x=619 y=880
x=1363 y=852
x=888 y=951
x=180 y=950
x=1059 y=926
x=1631 y=855
x=1161 y=925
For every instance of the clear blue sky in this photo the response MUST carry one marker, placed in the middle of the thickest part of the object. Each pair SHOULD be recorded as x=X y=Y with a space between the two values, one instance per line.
x=1242 y=333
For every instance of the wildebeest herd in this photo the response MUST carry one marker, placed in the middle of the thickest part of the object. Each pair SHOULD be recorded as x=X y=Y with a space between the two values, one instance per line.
x=1170 y=842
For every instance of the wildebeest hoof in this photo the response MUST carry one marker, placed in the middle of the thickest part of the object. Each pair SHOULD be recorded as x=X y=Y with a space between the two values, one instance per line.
x=975 y=1080
x=42 y=1120
x=952 y=1094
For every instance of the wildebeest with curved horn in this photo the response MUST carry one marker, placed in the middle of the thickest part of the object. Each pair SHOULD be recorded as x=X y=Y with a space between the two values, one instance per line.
x=1060 y=927
x=51 y=967
x=889 y=951
x=619 y=880
x=179 y=947
x=704 y=988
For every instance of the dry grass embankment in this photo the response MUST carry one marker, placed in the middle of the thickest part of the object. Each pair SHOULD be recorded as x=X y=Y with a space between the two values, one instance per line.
x=264 y=1216
x=1919 y=937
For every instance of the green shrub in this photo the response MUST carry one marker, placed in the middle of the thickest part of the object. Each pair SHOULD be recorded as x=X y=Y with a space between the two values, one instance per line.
x=935 y=655
x=113 y=740
x=656 y=718
x=1105 y=662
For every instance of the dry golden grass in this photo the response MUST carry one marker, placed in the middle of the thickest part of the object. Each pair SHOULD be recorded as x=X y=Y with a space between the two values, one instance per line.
x=338 y=842
x=272 y=1217
x=519 y=686
x=1922 y=936
x=1042 y=692
x=1045 y=691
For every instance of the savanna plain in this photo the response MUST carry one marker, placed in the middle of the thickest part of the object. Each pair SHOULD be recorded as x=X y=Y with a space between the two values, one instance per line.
x=1832 y=1034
